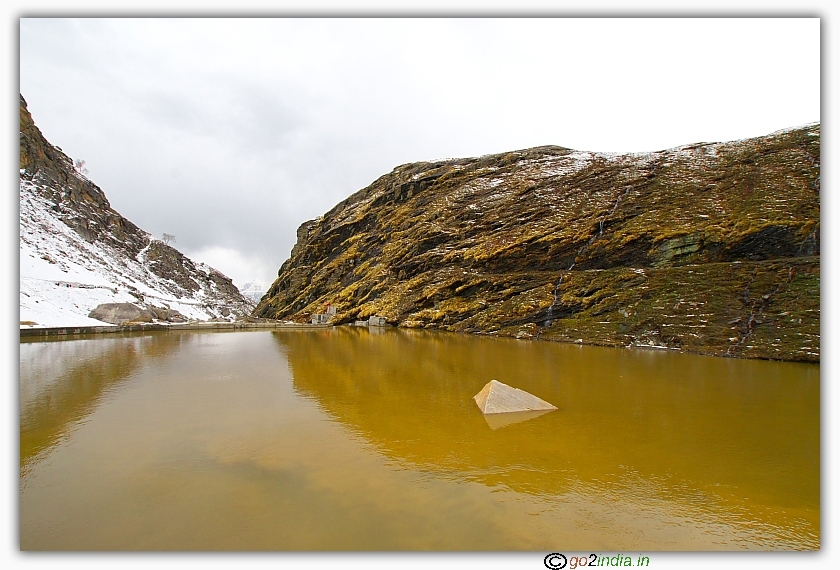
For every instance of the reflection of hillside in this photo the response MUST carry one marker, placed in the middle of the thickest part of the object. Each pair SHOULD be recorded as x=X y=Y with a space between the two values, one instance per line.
x=62 y=381
x=698 y=428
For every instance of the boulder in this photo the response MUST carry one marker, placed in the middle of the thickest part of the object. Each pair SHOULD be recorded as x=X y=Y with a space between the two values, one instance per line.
x=499 y=398
x=159 y=313
x=118 y=313
x=176 y=317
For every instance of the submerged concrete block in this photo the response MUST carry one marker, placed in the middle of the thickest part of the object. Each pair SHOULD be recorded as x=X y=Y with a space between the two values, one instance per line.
x=499 y=398
x=496 y=421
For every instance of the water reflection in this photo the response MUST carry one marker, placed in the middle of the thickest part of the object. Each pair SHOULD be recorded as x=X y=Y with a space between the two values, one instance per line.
x=716 y=437
x=496 y=421
x=62 y=381
x=347 y=440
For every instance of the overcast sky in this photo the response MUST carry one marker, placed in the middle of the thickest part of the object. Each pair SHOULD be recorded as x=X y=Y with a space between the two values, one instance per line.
x=160 y=118
x=231 y=133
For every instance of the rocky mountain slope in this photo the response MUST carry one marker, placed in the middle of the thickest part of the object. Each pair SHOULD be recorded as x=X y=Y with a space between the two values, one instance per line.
x=76 y=252
x=710 y=248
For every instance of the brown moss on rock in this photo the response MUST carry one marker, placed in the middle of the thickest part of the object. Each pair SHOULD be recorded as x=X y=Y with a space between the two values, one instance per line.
x=686 y=248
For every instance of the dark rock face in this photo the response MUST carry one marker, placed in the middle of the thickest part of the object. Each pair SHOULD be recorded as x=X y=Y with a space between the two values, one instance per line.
x=48 y=175
x=712 y=248
x=79 y=202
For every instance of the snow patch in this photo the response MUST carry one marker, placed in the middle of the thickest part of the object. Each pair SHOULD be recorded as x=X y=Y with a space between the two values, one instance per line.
x=63 y=277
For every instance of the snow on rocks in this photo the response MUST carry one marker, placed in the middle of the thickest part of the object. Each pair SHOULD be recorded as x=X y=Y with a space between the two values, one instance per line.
x=63 y=277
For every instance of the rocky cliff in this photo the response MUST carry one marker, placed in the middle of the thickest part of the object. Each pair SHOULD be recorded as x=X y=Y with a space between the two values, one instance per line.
x=711 y=248
x=77 y=252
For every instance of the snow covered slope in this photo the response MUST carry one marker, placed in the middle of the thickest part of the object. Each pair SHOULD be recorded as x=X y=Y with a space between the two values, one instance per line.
x=254 y=290
x=76 y=252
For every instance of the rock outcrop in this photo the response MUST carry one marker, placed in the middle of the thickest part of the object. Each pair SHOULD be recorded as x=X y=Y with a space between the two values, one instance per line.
x=710 y=248
x=120 y=313
x=78 y=253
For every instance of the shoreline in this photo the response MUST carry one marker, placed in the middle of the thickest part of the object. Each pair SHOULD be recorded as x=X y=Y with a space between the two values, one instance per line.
x=139 y=327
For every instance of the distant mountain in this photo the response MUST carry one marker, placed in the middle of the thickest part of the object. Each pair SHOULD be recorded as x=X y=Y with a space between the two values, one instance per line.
x=76 y=252
x=254 y=290
x=710 y=247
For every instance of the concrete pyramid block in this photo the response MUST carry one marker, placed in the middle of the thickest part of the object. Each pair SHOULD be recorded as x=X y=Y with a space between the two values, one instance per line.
x=496 y=421
x=499 y=398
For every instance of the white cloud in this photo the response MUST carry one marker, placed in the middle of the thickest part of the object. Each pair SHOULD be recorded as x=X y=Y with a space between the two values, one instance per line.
x=240 y=267
x=231 y=133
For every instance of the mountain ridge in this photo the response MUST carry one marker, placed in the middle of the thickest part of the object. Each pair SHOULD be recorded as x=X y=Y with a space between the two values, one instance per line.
x=579 y=246
x=77 y=252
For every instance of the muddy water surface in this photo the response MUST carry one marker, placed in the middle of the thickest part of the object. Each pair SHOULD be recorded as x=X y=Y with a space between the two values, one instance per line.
x=350 y=439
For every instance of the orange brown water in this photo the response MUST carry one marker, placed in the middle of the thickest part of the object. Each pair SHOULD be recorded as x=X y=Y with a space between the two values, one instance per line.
x=350 y=439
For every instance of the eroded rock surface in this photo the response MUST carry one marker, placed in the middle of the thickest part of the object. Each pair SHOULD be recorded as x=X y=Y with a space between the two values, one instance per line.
x=119 y=313
x=710 y=248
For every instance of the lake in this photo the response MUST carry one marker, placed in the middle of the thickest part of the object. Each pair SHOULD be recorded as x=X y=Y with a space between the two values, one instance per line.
x=357 y=439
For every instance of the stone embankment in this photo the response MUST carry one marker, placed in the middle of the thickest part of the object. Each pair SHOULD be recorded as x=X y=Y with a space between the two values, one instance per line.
x=142 y=327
